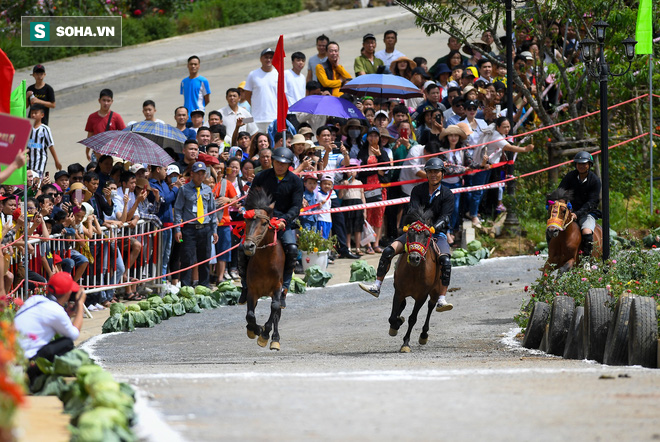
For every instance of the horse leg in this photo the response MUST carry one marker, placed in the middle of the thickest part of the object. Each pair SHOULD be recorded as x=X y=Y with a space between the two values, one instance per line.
x=424 y=337
x=265 y=333
x=396 y=320
x=275 y=342
x=252 y=328
x=412 y=319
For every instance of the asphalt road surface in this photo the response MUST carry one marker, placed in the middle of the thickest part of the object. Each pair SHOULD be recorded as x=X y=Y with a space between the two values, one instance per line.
x=340 y=376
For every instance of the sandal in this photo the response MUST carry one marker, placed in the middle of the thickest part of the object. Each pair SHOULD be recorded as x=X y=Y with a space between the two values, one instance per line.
x=377 y=249
x=134 y=296
x=358 y=252
x=370 y=251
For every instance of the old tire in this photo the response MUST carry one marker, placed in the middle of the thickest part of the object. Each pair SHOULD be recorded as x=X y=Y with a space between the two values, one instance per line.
x=597 y=317
x=574 y=338
x=643 y=333
x=561 y=316
x=544 y=341
x=616 y=346
x=536 y=325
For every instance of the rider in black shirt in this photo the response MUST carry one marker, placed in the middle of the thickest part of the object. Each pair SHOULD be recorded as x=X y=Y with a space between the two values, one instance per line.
x=585 y=186
x=440 y=200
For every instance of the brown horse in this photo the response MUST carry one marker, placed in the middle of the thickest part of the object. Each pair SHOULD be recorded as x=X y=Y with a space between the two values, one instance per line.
x=265 y=267
x=417 y=275
x=564 y=235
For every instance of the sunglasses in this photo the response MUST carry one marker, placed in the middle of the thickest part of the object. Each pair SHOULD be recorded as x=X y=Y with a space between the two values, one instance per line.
x=471 y=109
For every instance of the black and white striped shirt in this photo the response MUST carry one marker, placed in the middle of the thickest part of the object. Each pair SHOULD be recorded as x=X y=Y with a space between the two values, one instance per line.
x=40 y=140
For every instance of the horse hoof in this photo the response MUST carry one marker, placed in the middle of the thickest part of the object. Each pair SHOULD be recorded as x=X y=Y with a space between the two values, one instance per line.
x=251 y=334
x=423 y=341
x=262 y=342
x=275 y=345
x=393 y=332
x=405 y=349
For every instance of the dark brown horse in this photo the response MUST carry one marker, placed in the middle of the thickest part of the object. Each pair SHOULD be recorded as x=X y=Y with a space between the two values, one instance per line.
x=564 y=235
x=265 y=268
x=417 y=276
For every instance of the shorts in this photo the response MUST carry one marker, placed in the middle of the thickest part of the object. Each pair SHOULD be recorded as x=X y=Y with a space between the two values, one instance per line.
x=440 y=240
x=324 y=227
x=224 y=243
x=78 y=258
x=587 y=222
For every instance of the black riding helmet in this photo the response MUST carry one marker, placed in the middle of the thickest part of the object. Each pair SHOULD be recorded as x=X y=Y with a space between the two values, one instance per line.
x=283 y=155
x=435 y=164
x=584 y=157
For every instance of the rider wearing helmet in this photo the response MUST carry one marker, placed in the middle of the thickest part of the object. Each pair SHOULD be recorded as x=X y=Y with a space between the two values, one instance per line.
x=286 y=190
x=586 y=187
x=440 y=200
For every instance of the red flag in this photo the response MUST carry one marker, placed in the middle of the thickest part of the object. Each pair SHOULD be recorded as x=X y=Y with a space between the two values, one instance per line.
x=6 y=78
x=282 y=104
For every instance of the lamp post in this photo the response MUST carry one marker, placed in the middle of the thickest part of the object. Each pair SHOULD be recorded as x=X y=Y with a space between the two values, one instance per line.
x=597 y=67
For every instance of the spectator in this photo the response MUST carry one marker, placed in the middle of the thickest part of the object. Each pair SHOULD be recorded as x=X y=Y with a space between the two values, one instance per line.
x=224 y=194
x=190 y=153
x=323 y=195
x=330 y=73
x=456 y=163
x=433 y=96
x=485 y=70
x=454 y=47
x=294 y=80
x=149 y=112
x=421 y=63
x=354 y=219
x=389 y=54
x=197 y=120
x=403 y=67
x=442 y=77
x=215 y=117
x=320 y=57
x=103 y=170
x=181 y=118
x=195 y=89
x=40 y=93
x=232 y=112
x=265 y=160
x=203 y=138
x=261 y=91
x=367 y=62
x=195 y=200
x=243 y=101
x=40 y=141
x=103 y=120
x=76 y=172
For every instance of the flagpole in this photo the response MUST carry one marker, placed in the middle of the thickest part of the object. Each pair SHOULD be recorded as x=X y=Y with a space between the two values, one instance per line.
x=651 y=122
x=25 y=235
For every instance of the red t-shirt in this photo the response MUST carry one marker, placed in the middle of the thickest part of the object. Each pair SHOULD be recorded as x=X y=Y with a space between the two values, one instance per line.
x=97 y=124
x=230 y=192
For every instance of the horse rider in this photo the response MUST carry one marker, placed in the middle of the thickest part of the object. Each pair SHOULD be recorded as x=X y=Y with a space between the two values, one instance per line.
x=440 y=200
x=286 y=189
x=585 y=186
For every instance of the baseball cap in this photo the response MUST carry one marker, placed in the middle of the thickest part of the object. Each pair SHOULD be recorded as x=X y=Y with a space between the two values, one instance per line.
x=38 y=68
x=528 y=55
x=198 y=166
x=421 y=72
x=368 y=37
x=328 y=177
x=381 y=113
x=61 y=283
x=57 y=259
x=310 y=176
x=173 y=168
x=267 y=51
x=198 y=111
x=427 y=84
x=136 y=167
x=3 y=197
x=61 y=173
x=373 y=130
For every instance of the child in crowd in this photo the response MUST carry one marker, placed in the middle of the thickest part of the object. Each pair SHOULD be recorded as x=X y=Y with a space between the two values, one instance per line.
x=309 y=199
x=324 y=220
x=40 y=142
x=353 y=219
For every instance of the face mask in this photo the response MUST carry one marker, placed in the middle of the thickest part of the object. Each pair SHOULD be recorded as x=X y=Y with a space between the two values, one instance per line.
x=354 y=133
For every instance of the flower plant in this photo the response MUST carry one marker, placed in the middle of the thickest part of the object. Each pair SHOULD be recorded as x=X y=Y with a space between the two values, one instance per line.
x=311 y=241
x=11 y=382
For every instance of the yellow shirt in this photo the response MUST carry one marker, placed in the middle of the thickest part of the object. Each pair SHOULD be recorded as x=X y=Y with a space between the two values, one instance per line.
x=338 y=72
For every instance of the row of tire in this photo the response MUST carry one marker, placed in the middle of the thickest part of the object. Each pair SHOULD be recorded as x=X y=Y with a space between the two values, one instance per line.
x=627 y=336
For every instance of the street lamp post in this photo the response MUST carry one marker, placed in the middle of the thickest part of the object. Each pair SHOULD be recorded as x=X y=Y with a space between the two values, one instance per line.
x=597 y=67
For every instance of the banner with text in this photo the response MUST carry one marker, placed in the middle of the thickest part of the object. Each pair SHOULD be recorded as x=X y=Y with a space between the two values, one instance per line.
x=71 y=31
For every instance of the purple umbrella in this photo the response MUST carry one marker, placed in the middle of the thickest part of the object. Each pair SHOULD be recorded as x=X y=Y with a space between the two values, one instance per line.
x=128 y=146
x=327 y=105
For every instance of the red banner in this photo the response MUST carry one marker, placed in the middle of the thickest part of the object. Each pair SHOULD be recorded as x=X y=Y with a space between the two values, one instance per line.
x=6 y=78
x=282 y=104
x=14 y=134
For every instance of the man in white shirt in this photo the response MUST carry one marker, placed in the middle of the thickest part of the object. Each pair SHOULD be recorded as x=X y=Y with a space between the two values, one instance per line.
x=233 y=112
x=43 y=317
x=389 y=54
x=321 y=57
x=294 y=80
x=261 y=91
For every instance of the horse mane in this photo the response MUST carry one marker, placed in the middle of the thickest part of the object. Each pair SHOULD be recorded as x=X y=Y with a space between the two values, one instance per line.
x=257 y=198
x=561 y=194
x=419 y=214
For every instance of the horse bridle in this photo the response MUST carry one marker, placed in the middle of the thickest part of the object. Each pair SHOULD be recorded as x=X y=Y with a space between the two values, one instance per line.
x=250 y=214
x=415 y=246
x=557 y=221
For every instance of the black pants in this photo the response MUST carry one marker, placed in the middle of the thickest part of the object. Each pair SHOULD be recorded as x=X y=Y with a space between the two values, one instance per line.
x=196 y=248
x=58 y=347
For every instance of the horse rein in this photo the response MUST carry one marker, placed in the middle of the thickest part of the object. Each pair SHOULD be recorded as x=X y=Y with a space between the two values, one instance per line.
x=251 y=215
x=415 y=246
x=557 y=221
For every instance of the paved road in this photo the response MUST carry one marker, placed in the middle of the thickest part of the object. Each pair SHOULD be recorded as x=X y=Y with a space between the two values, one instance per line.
x=339 y=375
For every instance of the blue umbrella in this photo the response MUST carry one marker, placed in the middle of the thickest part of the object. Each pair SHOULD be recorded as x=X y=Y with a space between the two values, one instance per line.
x=327 y=105
x=383 y=86
x=160 y=133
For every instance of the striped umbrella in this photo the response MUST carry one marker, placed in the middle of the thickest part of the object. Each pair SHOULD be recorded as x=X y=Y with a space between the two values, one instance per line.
x=160 y=133
x=128 y=146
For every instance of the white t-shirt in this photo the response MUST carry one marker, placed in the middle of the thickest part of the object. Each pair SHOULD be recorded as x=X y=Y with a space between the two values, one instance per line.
x=387 y=57
x=325 y=204
x=229 y=120
x=294 y=85
x=263 y=86
x=409 y=173
x=40 y=321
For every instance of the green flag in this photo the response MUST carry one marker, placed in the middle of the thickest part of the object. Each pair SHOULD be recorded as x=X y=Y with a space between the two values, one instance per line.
x=18 y=102
x=644 y=30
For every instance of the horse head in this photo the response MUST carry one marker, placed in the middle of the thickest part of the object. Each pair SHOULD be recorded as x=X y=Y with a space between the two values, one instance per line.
x=559 y=212
x=419 y=234
x=259 y=211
